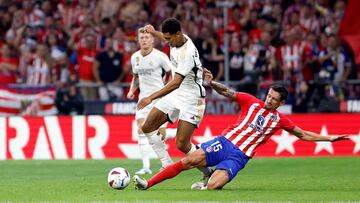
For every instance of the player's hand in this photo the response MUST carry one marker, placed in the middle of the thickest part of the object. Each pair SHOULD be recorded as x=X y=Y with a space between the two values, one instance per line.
x=144 y=102
x=207 y=76
x=149 y=28
x=338 y=138
x=130 y=95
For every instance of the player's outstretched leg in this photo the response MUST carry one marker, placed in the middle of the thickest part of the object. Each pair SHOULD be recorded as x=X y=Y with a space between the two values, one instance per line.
x=167 y=173
x=183 y=142
x=207 y=171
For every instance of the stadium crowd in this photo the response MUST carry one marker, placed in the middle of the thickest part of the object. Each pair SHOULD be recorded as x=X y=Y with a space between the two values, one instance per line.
x=59 y=42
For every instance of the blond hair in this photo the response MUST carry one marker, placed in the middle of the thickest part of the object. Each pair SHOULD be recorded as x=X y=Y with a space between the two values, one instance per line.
x=141 y=30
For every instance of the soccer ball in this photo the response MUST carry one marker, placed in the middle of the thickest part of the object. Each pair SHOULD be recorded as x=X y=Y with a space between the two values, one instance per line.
x=118 y=178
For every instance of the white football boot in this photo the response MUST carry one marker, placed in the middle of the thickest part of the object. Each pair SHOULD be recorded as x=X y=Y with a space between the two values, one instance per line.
x=143 y=171
x=202 y=185
x=140 y=183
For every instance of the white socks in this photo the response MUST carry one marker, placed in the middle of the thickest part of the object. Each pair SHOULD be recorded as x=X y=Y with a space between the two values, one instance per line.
x=159 y=147
x=192 y=149
x=144 y=147
x=170 y=133
x=205 y=170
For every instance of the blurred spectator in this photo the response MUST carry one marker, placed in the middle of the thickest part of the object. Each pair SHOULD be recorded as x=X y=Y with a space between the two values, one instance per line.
x=56 y=50
x=69 y=101
x=40 y=67
x=85 y=56
x=335 y=62
x=302 y=98
x=8 y=65
x=212 y=57
x=236 y=60
x=67 y=13
x=106 y=9
x=33 y=16
x=263 y=73
x=308 y=19
x=108 y=72
x=299 y=39
x=250 y=73
x=106 y=31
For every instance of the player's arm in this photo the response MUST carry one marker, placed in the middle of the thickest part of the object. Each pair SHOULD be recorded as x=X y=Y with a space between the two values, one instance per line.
x=167 y=65
x=218 y=87
x=150 y=29
x=313 y=137
x=134 y=85
x=169 y=87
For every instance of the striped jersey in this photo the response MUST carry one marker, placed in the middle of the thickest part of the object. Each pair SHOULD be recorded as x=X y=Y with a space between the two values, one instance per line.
x=255 y=124
x=38 y=72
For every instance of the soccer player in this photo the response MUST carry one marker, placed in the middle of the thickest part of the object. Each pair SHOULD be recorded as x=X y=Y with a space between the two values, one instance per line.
x=149 y=67
x=257 y=121
x=183 y=97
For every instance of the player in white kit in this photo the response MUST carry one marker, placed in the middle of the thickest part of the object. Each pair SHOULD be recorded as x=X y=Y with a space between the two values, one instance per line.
x=183 y=98
x=149 y=67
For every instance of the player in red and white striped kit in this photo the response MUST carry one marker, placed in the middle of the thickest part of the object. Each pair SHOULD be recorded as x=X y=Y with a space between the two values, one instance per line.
x=258 y=120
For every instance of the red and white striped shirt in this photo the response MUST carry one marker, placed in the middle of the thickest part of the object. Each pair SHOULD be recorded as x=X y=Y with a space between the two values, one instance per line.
x=255 y=124
x=38 y=72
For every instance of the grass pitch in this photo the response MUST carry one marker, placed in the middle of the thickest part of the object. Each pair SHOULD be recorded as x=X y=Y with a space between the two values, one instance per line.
x=263 y=179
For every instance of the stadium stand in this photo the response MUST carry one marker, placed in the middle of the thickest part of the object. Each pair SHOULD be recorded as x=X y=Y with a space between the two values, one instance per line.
x=47 y=43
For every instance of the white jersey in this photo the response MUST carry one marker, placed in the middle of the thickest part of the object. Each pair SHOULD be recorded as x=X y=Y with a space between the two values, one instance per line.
x=187 y=63
x=151 y=70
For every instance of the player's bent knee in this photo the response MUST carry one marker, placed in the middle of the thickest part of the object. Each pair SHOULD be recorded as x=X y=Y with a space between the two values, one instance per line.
x=146 y=128
x=183 y=146
x=218 y=180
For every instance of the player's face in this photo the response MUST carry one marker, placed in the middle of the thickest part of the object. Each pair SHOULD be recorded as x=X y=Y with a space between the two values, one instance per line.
x=146 y=40
x=173 y=40
x=272 y=101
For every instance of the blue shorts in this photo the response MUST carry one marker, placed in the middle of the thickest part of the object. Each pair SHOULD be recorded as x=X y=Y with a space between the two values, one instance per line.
x=223 y=154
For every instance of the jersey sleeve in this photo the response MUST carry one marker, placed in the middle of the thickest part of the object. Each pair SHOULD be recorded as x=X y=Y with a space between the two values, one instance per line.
x=165 y=62
x=286 y=123
x=244 y=99
x=132 y=61
x=186 y=62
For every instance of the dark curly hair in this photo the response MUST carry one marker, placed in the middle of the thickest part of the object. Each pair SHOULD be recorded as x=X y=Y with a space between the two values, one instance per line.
x=171 y=26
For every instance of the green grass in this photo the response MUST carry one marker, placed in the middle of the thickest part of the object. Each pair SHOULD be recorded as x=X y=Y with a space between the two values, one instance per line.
x=263 y=179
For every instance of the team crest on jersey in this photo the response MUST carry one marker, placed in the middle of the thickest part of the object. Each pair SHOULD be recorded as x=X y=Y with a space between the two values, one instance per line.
x=209 y=149
x=151 y=63
x=273 y=118
x=259 y=123
x=137 y=60
x=172 y=60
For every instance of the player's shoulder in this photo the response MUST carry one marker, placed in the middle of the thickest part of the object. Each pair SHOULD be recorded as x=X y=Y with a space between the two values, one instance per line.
x=135 y=54
x=246 y=96
x=160 y=55
x=282 y=117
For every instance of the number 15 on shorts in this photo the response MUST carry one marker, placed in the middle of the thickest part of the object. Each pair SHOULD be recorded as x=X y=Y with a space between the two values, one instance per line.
x=216 y=146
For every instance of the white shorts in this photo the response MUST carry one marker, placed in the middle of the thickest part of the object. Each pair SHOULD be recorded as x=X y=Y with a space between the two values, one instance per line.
x=144 y=112
x=190 y=110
